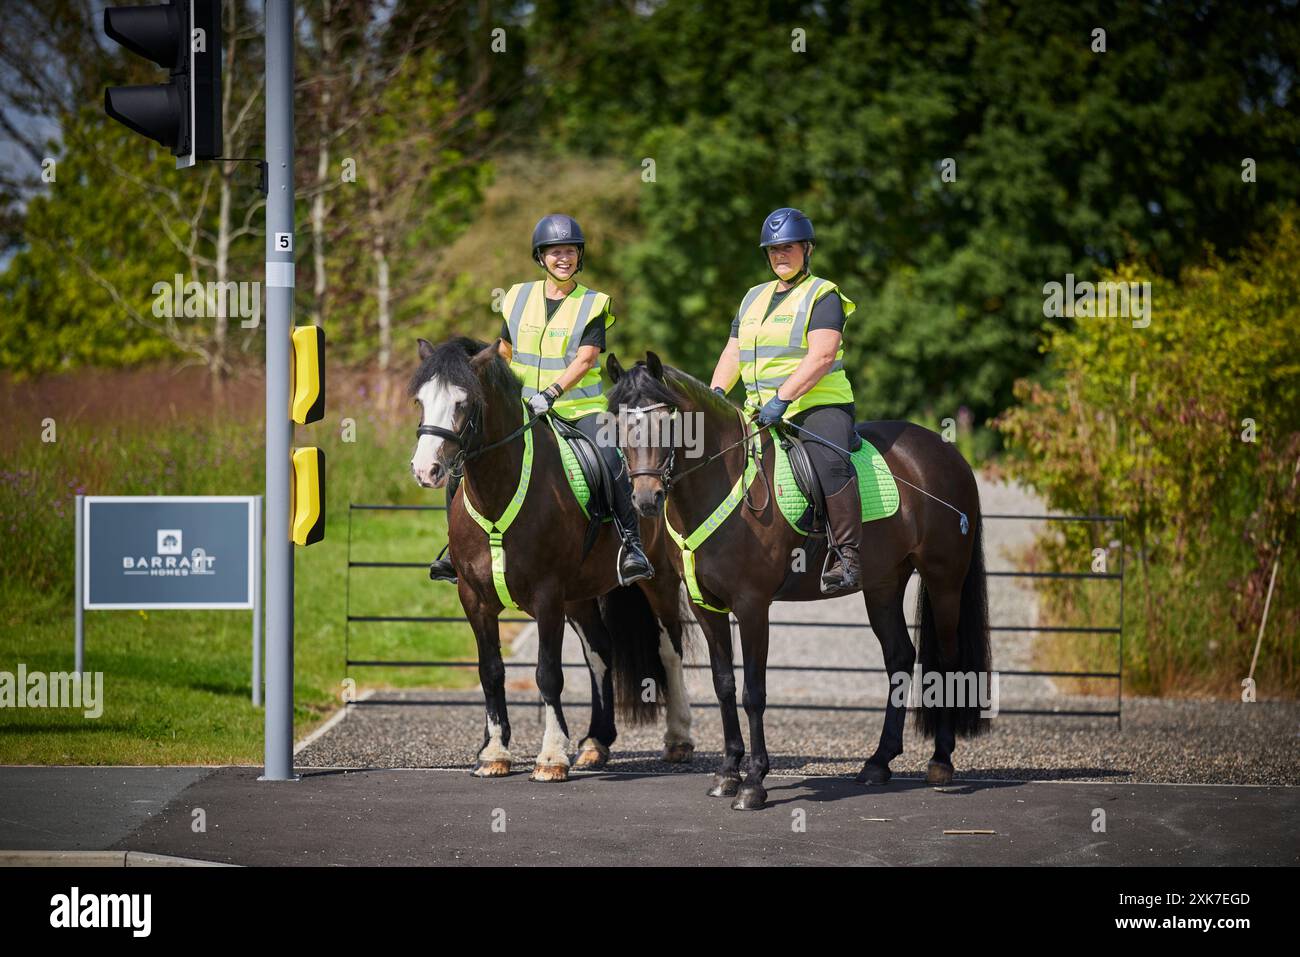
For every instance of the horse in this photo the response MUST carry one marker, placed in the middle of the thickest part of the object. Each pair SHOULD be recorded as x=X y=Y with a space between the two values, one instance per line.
x=745 y=563
x=471 y=403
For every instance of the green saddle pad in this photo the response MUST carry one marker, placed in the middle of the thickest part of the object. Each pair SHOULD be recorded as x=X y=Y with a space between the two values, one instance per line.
x=876 y=486
x=572 y=470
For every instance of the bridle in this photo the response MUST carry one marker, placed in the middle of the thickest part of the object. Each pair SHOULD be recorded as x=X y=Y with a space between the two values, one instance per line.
x=464 y=438
x=664 y=472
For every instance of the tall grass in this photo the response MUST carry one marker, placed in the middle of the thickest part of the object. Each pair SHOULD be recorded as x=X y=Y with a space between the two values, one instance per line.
x=178 y=683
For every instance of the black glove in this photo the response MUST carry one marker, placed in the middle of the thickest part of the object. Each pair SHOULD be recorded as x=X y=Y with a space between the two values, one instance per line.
x=771 y=413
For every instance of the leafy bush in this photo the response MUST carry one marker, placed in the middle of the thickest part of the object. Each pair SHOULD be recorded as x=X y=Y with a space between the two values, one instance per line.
x=1189 y=428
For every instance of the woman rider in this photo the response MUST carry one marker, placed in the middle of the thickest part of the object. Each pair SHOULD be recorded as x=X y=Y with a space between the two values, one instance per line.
x=787 y=344
x=556 y=331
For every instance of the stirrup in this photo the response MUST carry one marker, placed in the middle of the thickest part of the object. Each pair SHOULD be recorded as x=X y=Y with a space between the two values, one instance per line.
x=618 y=566
x=450 y=574
x=842 y=583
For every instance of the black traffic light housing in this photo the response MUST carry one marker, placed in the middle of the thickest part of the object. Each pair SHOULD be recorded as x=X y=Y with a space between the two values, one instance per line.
x=183 y=114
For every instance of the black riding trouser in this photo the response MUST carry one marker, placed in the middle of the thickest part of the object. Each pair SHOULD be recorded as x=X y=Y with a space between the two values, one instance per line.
x=835 y=424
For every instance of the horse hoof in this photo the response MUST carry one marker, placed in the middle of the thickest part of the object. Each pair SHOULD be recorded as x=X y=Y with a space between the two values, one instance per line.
x=593 y=757
x=497 y=768
x=938 y=773
x=874 y=774
x=682 y=752
x=550 y=772
x=724 y=786
x=752 y=797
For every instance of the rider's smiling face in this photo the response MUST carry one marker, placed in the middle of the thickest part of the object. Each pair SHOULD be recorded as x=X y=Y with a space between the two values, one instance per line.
x=786 y=259
x=561 y=261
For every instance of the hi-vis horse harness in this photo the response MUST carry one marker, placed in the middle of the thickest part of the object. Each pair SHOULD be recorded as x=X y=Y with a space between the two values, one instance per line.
x=688 y=544
x=495 y=530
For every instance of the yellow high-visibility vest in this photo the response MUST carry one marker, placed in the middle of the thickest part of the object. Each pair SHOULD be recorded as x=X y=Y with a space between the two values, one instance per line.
x=543 y=348
x=771 y=347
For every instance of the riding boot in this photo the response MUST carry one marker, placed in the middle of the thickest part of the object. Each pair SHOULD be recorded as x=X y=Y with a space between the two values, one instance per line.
x=441 y=570
x=633 y=565
x=844 y=525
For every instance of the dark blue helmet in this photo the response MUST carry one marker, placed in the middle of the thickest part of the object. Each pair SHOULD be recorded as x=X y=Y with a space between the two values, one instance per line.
x=786 y=225
x=557 y=229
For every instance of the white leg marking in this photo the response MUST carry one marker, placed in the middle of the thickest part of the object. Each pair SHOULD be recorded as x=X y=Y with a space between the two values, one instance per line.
x=594 y=662
x=679 y=709
x=555 y=743
x=494 y=750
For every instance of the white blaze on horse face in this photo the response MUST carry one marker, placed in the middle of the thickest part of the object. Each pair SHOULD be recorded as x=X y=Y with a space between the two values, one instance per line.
x=438 y=402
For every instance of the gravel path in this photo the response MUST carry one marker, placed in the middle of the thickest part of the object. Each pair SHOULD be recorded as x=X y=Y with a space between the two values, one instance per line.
x=1187 y=742
x=1161 y=740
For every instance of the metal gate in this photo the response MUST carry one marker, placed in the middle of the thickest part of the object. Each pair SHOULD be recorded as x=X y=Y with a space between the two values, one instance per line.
x=1117 y=629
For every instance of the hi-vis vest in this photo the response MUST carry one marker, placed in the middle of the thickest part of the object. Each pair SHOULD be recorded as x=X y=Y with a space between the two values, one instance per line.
x=543 y=349
x=771 y=347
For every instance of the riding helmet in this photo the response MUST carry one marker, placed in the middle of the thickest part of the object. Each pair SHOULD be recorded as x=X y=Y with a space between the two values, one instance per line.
x=786 y=225
x=558 y=229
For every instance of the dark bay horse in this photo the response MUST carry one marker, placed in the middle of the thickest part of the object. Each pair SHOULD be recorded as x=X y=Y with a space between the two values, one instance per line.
x=473 y=417
x=754 y=557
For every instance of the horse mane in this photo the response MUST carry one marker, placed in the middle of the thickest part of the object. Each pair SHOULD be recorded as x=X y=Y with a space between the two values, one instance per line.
x=449 y=362
x=638 y=387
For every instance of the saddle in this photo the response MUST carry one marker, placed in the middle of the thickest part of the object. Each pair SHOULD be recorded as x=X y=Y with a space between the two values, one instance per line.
x=801 y=497
x=805 y=476
x=589 y=479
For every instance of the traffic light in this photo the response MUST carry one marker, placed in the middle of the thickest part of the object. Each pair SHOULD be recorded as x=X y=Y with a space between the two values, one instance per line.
x=183 y=114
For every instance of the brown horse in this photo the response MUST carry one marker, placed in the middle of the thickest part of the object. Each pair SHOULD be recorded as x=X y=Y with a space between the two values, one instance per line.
x=473 y=418
x=746 y=563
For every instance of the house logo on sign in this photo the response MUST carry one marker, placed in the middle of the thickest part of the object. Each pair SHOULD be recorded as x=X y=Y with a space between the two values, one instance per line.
x=170 y=559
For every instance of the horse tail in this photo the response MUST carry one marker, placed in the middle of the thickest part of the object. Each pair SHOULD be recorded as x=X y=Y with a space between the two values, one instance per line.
x=632 y=625
x=974 y=656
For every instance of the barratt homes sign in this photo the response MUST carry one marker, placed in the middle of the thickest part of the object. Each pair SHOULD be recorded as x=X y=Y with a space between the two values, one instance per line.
x=169 y=552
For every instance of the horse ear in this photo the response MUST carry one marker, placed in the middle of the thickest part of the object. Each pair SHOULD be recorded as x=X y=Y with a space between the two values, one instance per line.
x=654 y=365
x=485 y=355
x=615 y=368
x=426 y=348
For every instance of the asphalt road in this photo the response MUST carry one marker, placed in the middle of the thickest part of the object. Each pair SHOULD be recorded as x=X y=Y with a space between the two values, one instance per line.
x=447 y=817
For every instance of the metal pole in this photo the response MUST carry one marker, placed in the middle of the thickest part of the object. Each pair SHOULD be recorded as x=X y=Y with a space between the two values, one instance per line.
x=79 y=628
x=279 y=431
x=257 y=601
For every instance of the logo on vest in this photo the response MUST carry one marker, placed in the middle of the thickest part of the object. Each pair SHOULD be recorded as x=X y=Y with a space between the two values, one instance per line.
x=783 y=319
